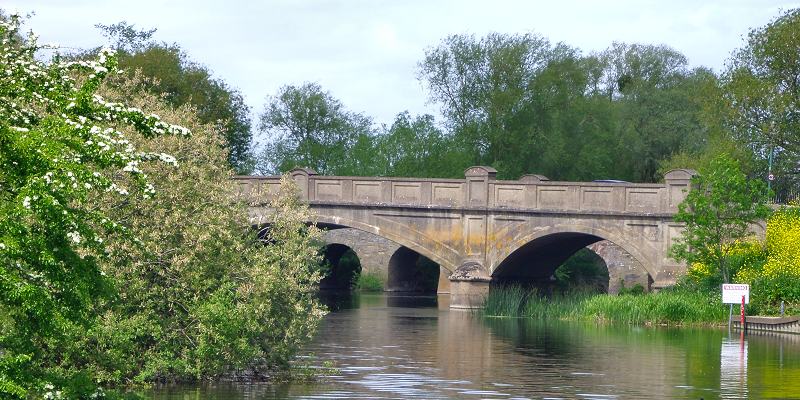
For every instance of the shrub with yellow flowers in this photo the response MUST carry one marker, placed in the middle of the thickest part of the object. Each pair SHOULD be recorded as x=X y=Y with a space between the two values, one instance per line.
x=778 y=278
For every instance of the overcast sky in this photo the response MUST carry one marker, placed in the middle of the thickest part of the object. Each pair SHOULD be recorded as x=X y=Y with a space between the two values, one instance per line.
x=365 y=52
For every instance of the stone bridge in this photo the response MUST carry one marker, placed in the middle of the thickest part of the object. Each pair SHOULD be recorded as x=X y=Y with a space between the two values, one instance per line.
x=482 y=230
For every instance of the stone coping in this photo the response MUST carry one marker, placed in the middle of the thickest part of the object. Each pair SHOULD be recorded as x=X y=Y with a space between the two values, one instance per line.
x=456 y=180
x=770 y=320
x=498 y=210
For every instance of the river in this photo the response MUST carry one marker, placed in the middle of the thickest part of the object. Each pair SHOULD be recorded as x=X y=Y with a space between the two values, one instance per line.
x=395 y=347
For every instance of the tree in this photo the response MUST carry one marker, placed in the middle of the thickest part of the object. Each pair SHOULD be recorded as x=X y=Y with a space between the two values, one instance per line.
x=60 y=145
x=762 y=90
x=416 y=147
x=198 y=295
x=172 y=73
x=657 y=104
x=307 y=127
x=486 y=89
x=717 y=212
x=522 y=105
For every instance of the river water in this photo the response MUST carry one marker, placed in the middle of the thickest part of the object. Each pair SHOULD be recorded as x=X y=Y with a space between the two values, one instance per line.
x=394 y=347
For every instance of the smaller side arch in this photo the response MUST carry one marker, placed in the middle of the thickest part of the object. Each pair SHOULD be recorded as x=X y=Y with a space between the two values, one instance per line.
x=444 y=262
x=344 y=268
x=374 y=251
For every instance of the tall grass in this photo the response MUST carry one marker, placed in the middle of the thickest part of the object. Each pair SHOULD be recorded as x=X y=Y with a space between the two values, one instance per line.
x=368 y=282
x=672 y=307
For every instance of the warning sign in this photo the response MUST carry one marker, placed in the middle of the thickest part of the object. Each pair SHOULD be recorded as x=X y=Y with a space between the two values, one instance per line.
x=732 y=293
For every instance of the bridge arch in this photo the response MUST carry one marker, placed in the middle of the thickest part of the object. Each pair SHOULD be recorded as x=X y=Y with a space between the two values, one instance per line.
x=434 y=255
x=409 y=271
x=551 y=246
x=345 y=266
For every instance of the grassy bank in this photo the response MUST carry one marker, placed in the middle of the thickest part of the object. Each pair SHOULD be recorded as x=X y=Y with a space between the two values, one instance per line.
x=671 y=307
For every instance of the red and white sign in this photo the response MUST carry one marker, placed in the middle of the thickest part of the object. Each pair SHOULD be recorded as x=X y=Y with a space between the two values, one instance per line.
x=732 y=293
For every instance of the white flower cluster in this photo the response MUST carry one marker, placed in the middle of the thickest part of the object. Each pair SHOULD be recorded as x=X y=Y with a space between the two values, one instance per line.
x=120 y=190
x=119 y=112
x=50 y=394
x=74 y=236
x=99 y=67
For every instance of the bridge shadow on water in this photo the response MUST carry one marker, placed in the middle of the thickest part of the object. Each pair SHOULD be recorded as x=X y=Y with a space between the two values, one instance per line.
x=348 y=300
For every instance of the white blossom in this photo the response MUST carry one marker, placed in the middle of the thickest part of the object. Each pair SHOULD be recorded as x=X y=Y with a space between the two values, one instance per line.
x=74 y=236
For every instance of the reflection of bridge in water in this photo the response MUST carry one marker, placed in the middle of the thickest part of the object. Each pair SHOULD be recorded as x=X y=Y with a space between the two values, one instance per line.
x=481 y=230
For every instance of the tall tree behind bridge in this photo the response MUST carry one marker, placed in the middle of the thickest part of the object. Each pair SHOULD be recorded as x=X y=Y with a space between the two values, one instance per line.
x=761 y=87
x=417 y=147
x=170 y=72
x=524 y=105
x=657 y=103
x=306 y=126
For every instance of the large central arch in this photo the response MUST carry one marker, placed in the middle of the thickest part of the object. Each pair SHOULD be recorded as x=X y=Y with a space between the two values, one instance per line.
x=588 y=234
x=543 y=250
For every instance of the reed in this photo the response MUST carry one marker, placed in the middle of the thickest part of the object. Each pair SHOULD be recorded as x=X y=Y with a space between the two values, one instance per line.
x=668 y=307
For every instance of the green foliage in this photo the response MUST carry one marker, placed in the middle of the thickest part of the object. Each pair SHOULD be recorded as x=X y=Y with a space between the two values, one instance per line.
x=170 y=73
x=635 y=290
x=671 y=307
x=515 y=102
x=761 y=87
x=762 y=83
x=369 y=282
x=307 y=127
x=416 y=147
x=776 y=277
x=584 y=271
x=61 y=145
x=199 y=295
x=716 y=212
x=522 y=105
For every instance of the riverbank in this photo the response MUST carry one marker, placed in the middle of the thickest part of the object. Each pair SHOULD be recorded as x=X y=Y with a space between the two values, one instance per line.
x=667 y=307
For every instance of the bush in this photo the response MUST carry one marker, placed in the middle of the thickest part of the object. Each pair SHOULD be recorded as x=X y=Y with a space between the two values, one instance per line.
x=635 y=290
x=199 y=295
x=62 y=147
x=369 y=282
x=776 y=277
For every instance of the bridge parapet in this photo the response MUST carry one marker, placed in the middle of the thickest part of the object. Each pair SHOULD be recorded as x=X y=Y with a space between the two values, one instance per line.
x=480 y=190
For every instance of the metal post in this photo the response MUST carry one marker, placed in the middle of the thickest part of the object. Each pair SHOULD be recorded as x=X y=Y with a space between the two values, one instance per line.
x=769 y=168
x=782 y=309
x=730 y=316
x=741 y=319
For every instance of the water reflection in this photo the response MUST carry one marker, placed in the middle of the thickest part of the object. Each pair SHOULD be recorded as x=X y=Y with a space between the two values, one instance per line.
x=390 y=347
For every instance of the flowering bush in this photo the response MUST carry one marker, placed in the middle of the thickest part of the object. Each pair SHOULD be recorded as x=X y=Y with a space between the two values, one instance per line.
x=743 y=257
x=60 y=145
x=778 y=278
x=199 y=295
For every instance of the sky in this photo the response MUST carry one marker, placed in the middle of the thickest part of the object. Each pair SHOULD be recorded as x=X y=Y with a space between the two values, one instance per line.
x=365 y=52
